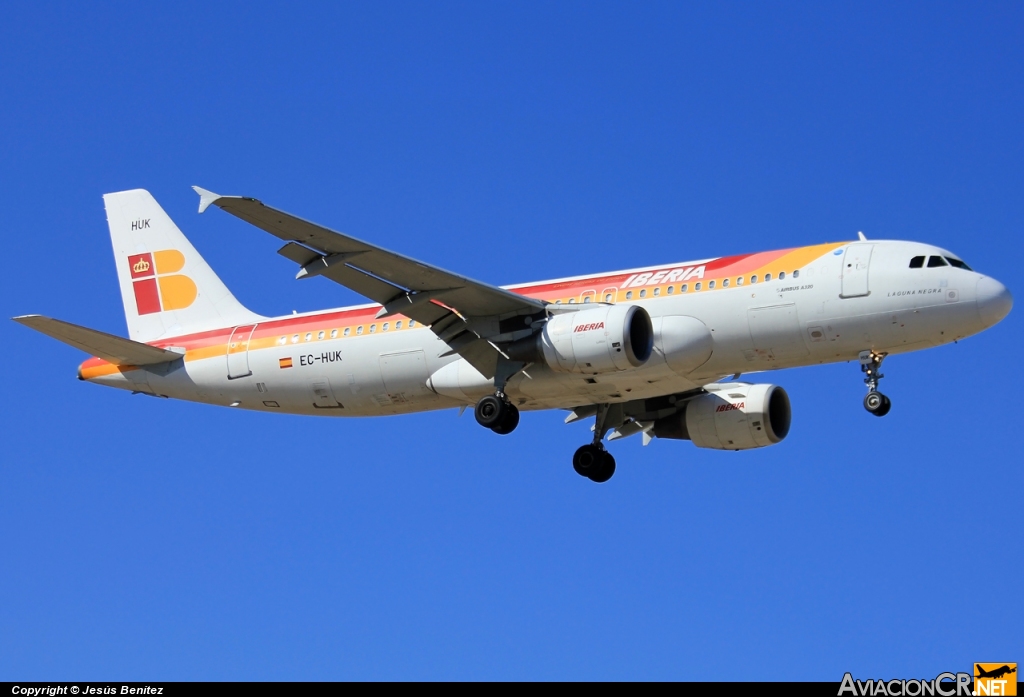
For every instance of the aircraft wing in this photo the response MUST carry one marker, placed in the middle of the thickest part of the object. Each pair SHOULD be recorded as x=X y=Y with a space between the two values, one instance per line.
x=113 y=349
x=468 y=315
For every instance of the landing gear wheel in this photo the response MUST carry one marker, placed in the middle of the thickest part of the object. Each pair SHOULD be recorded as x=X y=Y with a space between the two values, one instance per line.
x=587 y=460
x=605 y=469
x=490 y=411
x=870 y=364
x=877 y=403
x=509 y=422
x=594 y=463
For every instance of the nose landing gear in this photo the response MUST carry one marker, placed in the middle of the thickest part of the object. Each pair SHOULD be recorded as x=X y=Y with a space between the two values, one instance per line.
x=875 y=402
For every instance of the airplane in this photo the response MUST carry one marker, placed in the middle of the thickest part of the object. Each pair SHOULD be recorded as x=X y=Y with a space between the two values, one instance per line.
x=995 y=673
x=655 y=351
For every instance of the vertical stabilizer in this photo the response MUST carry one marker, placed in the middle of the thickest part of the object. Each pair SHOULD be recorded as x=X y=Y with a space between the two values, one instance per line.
x=167 y=288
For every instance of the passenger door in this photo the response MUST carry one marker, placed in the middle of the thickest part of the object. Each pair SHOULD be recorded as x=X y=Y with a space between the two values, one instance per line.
x=855 y=270
x=238 y=352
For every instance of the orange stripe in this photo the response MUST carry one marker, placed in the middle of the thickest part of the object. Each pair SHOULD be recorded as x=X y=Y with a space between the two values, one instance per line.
x=214 y=343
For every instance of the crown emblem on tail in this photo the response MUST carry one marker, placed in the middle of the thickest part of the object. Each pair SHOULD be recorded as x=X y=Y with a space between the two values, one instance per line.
x=157 y=284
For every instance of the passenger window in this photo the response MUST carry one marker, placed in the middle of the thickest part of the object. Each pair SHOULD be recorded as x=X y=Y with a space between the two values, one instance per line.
x=753 y=279
x=320 y=336
x=283 y=340
x=398 y=324
x=309 y=336
x=958 y=264
x=670 y=290
x=572 y=301
x=359 y=329
x=334 y=333
x=586 y=300
x=917 y=262
x=936 y=261
x=657 y=292
x=558 y=302
x=373 y=328
x=682 y=288
x=412 y=323
x=348 y=330
x=295 y=338
x=607 y=297
x=782 y=275
x=796 y=274
x=629 y=295
x=385 y=327
x=767 y=277
x=725 y=283
x=696 y=286
x=739 y=280
x=711 y=285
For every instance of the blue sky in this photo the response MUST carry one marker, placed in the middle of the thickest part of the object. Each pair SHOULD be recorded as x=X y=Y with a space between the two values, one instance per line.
x=149 y=539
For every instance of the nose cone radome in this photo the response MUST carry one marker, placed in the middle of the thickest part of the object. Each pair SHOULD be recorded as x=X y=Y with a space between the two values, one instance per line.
x=994 y=300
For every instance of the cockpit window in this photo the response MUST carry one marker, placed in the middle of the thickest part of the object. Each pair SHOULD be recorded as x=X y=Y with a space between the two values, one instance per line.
x=953 y=261
x=936 y=261
x=917 y=262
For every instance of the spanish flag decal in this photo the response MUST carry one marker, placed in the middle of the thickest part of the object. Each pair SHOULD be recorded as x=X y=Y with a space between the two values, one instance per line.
x=284 y=362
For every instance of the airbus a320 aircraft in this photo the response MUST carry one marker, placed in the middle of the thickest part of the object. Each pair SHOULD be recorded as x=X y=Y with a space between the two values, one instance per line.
x=656 y=351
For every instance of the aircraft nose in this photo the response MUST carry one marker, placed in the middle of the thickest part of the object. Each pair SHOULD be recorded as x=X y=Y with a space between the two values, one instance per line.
x=994 y=300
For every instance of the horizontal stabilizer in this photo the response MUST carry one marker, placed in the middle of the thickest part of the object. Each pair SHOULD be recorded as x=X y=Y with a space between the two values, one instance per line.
x=113 y=349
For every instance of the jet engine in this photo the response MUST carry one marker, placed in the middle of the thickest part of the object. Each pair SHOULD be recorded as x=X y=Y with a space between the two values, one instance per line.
x=604 y=339
x=734 y=416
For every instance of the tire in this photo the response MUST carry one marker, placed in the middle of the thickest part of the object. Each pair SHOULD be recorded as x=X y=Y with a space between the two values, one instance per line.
x=605 y=470
x=490 y=411
x=509 y=423
x=886 y=406
x=874 y=401
x=587 y=460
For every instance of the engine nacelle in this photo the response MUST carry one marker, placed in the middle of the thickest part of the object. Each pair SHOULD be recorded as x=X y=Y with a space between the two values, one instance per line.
x=734 y=416
x=605 y=339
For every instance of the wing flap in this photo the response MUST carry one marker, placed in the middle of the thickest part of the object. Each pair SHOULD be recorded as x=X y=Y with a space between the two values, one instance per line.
x=299 y=254
x=114 y=349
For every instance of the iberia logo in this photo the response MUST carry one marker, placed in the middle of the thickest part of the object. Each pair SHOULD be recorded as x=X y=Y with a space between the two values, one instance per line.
x=157 y=285
x=995 y=678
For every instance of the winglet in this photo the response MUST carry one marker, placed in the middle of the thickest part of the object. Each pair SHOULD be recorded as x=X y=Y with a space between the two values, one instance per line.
x=859 y=234
x=205 y=197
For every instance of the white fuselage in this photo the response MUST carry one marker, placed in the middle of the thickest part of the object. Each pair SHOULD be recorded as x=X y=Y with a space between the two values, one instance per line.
x=831 y=311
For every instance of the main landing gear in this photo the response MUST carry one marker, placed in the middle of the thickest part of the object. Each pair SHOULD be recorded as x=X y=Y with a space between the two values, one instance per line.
x=497 y=413
x=875 y=402
x=592 y=460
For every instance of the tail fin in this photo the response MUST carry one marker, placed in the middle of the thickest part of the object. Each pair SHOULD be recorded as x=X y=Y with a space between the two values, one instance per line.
x=166 y=287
